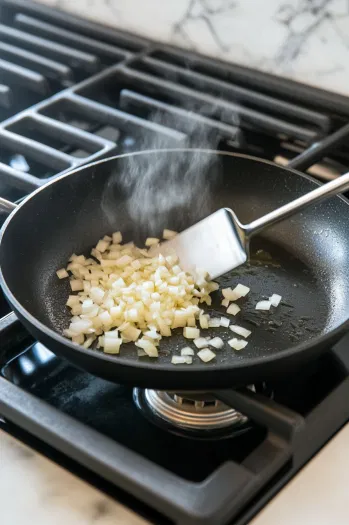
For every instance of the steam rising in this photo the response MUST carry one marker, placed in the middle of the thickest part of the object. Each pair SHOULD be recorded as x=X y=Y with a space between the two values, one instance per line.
x=166 y=189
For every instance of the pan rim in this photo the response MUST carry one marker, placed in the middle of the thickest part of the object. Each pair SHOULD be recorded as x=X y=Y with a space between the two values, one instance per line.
x=251 y=363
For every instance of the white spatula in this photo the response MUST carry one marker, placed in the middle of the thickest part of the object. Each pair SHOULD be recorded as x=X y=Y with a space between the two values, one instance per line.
x=219 y=243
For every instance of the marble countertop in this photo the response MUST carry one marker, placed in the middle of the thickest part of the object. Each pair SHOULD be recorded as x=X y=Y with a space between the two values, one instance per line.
x=31 y=485
x=305 y=40
x=35 y=490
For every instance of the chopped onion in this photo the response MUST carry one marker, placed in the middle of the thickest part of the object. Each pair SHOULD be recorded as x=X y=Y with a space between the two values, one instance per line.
x=102 y=246
x=73 y=300
x=140 y=295
x=275 y=299
x=240 y=330
x=241 y=290
x=81 y=326
x=216 y=342
x=62 y=273
x=233 y=309
x=181 y=360
x=201 y=342
x=263 y=305
x=148 y=347
x=191 y=333
x=89 y=341
x=76 y=285
x=152 y=334
x=237 y=344
x=117 y=237
x=229 y=294
x=112 y=345
x=225 y=322
x=225 y=303
x=78 y=339
x=151 y=241
x=214 y=322
x=233 y=295
x=206 y=355
x=204 y=321
x=187 y=351
x=168 y=234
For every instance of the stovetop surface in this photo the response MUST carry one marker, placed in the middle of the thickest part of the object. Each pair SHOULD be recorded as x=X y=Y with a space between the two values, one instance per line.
x=110 y=409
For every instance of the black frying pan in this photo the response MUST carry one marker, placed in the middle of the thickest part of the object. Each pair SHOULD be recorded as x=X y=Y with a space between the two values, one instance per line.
x=305 y=259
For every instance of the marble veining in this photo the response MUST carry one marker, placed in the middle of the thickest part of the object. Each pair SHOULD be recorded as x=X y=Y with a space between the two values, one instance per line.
x=35 y=490
x=306 y=40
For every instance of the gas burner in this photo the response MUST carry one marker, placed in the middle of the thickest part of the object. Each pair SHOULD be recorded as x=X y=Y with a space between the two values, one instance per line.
x=197 y=415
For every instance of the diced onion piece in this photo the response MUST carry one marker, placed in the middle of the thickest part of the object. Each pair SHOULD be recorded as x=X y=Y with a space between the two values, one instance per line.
x=240 y=330
x=73 y=300
x=62 y=273
x=152 y=334
x=275 y=299
x=214 y=322
x=112 y=334
x=76 y=285
x=241 y=290
x=237 y=344
x=97 y=294
x=168 y=234
x=151 y=241
x=181 y=360
x=225 y=322
x=89 y=341
x=131 y=333
x=87 y=306
x=225 y=303
x=112 y=345
x=229 y=294
x=263 y=305
x=81 y=326
x=201 y=342
x=78 y=339
x=149 y=348
x=204 y=320
x=124 y=261
x=191 y=333
x=180 y=319
x=102 y=246
x=117 y=238
x=141 y=353
x=216 y=342
x=187 y=351
x=233 y=309
x=206 y=355
x=233 y=295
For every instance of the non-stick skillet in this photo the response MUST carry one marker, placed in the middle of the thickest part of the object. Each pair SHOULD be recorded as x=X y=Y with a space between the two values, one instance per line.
x=305 y=259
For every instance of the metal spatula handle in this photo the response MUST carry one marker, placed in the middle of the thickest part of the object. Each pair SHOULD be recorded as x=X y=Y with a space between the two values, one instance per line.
x=7 y=206
x=321 y=193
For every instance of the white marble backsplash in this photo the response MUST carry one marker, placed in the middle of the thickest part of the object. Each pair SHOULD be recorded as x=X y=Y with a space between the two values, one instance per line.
x=306 y=40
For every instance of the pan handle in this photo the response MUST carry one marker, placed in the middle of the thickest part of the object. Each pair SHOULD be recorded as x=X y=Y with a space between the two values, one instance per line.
x=7 y=206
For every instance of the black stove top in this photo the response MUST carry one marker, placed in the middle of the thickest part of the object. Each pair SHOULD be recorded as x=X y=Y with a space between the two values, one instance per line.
x=72 y=92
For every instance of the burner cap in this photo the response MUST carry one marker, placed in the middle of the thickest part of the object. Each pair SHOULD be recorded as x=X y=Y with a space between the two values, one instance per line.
x=191 y=414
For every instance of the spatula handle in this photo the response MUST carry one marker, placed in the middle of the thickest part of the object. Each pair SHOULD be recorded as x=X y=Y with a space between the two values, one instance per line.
x=7 y=206
x=322 y=192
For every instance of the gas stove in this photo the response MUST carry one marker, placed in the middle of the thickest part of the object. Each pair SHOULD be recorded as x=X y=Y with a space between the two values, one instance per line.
x=72 y=92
